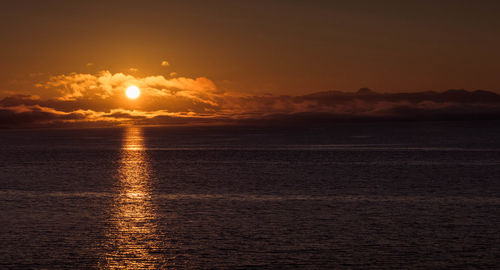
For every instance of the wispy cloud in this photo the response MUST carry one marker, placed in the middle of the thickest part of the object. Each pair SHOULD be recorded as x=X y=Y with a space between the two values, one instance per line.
x=98 y=99
x=105 y=85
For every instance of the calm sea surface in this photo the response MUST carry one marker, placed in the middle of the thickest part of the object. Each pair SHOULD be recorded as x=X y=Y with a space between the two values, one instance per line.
x=364 y=196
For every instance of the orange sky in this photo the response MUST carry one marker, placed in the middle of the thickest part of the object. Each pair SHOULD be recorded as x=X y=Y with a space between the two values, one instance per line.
x=285 y=47
x=233 y=59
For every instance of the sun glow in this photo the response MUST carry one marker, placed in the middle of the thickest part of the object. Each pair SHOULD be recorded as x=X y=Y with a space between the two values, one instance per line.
x=133 y=92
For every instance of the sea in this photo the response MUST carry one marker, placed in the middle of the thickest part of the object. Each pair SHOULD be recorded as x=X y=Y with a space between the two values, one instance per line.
x=383 y=195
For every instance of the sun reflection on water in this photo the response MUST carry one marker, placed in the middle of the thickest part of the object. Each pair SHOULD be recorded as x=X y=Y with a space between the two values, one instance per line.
x=133 y=238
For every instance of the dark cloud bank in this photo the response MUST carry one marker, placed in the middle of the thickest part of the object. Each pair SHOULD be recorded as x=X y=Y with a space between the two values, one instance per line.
x=322 y=108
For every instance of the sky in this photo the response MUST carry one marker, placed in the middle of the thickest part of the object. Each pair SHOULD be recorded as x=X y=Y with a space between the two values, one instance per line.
x=229 y=59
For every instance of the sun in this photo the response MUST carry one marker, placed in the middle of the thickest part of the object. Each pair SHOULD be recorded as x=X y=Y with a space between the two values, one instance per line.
x=133 y=92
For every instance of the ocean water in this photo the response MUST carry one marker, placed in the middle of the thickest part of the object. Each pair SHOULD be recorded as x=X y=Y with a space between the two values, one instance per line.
x=363 y=196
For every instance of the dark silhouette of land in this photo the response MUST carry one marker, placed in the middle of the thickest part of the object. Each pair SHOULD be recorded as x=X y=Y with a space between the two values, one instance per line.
x=312 y=109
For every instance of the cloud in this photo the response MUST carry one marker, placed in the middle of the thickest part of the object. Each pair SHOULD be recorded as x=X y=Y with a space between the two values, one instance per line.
x=29 y=115
x=164 y=63
x=79 y=99
x=107 y=85
x=38 y=116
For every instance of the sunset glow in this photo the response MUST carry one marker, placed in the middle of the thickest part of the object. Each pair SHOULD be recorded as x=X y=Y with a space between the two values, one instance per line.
x=228 y=134
x=181 y=75
x=133 y=92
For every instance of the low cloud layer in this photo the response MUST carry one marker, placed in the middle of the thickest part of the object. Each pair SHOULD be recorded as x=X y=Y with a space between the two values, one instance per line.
x=98 y=100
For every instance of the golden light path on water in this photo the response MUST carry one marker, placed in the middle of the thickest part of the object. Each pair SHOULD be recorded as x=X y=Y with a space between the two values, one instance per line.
x=133 y=239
